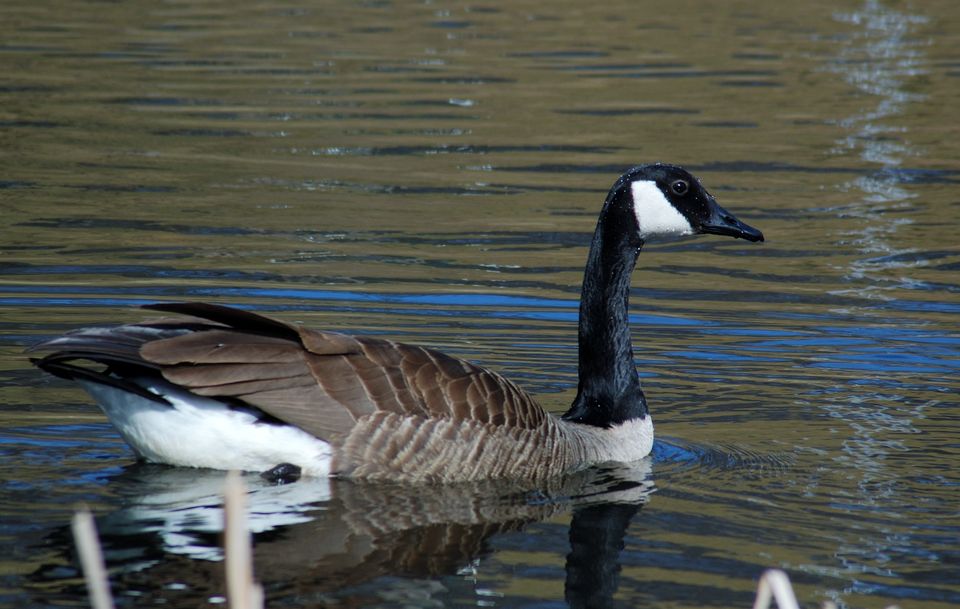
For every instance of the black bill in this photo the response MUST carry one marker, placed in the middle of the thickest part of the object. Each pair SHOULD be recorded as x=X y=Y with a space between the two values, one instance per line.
x=722 y=222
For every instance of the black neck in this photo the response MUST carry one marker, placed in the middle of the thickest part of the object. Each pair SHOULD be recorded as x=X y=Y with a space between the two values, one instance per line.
x=609 y=392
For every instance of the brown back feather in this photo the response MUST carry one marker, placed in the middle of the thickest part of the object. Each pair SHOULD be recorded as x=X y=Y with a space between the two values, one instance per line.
x=323 y=382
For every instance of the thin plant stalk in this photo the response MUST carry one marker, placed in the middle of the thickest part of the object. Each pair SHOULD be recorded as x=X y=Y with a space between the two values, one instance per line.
x=774 y=584
x=242 y=591
x=91 y=559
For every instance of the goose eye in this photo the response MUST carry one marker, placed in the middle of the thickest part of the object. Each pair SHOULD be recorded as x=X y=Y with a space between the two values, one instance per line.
x=680 y=187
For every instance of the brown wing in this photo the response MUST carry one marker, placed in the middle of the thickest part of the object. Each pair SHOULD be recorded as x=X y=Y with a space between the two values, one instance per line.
x=323 y=382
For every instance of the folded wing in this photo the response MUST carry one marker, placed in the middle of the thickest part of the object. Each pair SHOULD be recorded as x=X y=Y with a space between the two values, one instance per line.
x=322 y=382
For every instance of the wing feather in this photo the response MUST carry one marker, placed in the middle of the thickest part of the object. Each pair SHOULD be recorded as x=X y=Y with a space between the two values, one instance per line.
x=322 y=382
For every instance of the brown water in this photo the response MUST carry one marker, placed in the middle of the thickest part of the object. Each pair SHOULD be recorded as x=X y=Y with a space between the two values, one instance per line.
x=432 y=172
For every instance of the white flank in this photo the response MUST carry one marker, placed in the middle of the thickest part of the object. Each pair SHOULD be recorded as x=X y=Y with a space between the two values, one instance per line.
x=203 y=432
x=655 y=214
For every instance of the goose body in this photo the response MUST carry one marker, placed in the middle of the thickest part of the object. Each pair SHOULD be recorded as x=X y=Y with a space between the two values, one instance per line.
x=224 y=388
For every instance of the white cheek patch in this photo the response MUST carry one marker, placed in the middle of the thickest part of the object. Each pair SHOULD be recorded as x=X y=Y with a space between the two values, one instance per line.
x=655 y=214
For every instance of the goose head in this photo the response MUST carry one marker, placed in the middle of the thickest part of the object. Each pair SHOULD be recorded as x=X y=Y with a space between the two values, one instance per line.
x=666 y=200
x=646 y=202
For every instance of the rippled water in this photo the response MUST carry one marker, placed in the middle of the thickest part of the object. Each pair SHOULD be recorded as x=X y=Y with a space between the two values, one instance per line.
x=432 y=172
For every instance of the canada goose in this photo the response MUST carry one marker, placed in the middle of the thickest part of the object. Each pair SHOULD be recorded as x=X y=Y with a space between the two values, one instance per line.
x=230 y=389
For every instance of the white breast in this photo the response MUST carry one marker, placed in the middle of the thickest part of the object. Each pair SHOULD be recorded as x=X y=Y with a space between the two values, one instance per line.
x=627 y=442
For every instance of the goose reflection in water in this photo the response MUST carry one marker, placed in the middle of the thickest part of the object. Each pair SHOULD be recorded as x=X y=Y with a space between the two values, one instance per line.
x=323 y=538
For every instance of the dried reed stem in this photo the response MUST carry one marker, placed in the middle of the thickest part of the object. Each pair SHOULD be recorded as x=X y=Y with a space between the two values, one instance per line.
x=91 y=559
x=774 y=583
x=242 y=591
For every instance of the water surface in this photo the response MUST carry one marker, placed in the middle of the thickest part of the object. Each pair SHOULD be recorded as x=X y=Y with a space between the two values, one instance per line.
x=432 y=173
